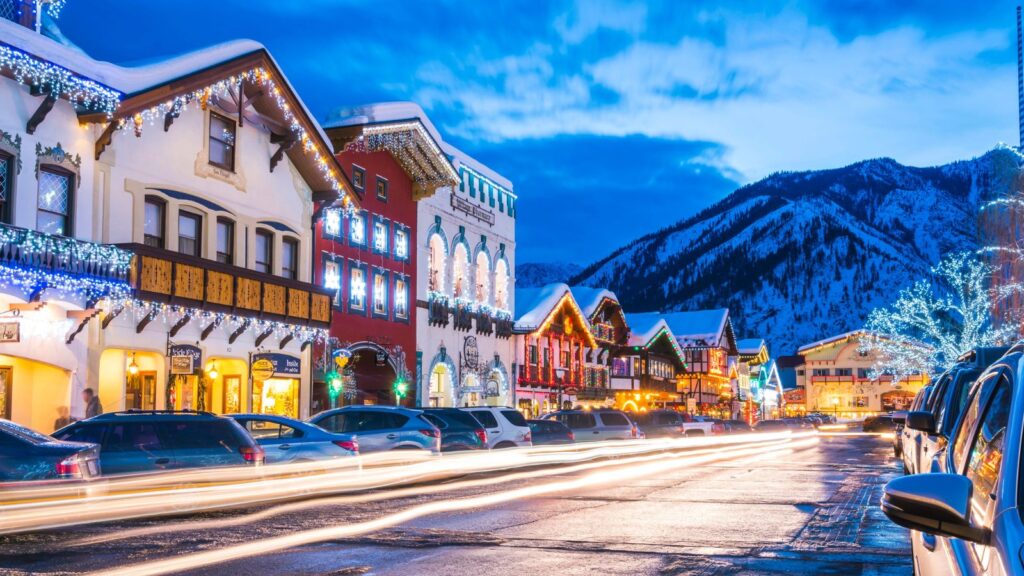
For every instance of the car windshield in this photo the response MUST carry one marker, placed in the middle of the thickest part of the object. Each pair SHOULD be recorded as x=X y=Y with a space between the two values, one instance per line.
x=26 y=434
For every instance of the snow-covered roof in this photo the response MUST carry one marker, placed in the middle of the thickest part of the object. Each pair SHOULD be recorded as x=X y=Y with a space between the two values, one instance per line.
x=461 y=157
x=534 y=305
x=384 y=112
x=830 y=340
x=699 y=327
x=135 y=79
x=590 y=298
x=644 y=326
x=750 y=346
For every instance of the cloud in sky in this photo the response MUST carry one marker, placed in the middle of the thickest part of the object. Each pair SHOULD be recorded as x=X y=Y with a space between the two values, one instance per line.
x=595 y=103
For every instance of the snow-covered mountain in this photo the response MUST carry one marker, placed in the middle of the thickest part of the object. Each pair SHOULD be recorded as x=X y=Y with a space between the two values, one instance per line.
x=800 y=256
x=537 y=274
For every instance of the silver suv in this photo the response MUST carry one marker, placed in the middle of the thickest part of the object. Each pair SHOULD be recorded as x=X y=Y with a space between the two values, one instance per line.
x=506 y=427
x=379 y=428
x=596 y=425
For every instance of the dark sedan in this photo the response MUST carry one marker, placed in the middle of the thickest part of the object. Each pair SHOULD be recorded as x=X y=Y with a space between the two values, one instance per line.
x=550 y=432
x=459 y=430
x=28 y=455
x=885 y=423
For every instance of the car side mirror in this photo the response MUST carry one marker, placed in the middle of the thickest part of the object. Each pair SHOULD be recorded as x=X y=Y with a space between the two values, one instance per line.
x=921 y=420
x=939 y=504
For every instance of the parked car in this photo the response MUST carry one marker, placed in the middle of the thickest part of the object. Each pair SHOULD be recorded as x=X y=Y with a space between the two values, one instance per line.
x=506 y=427
x=899 y=419
x=935 y=418
x=737 y=426
x=596 y=425
x=381 y=428
x=287 y=440
x=880 y=423
x=459 y=430
x=155 y=440
x=29 y=455
x=549 y=432
x=965 y=515
x=700 y=426
x=906 y=437
x=773 y=426
x=660 y=423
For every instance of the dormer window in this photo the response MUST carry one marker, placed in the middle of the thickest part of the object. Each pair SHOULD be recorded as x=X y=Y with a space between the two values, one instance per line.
x=358 y=178
x=222 y=141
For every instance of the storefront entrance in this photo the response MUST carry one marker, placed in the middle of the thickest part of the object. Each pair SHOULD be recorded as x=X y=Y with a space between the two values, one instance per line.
x=275 y=384
x=440 y=385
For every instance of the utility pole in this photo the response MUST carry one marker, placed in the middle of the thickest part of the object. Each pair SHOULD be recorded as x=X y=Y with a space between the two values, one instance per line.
x=1020 y=80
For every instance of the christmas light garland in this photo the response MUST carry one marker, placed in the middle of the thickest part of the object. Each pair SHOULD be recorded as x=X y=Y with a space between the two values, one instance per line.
x=58 y=81
x=31 y=280
x=170 y=314
x=107 y=258
x=400 y=140
x=222 y=89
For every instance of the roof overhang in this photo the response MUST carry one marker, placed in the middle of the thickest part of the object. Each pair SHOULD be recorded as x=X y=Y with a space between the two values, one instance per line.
x=258 y=81
x=410 y=143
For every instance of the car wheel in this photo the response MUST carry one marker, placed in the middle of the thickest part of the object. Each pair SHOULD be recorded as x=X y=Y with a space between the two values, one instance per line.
x=503 y=445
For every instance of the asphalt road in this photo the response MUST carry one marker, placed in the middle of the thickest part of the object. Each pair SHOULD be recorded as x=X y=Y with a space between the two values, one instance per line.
x=810 y=512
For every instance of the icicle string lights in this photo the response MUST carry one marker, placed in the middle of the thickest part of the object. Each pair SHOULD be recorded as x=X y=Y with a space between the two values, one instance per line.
x=222 y=89
x=58 y=81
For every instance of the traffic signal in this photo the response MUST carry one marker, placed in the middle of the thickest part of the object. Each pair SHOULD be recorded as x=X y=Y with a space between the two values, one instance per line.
x=334 y=384
x=401 y=388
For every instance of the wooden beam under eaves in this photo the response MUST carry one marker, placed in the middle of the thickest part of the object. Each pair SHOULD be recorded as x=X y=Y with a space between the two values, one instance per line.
x=285 y=144
x=286 y=340
x=238 y=332
x=106 y=137
x=263 y=336
x=81 y=318
x=146 y=320
x=169 y=118
x=209 y=329
x=179 y=325
x=40 y=114
x=25 y=307
x=110 y=317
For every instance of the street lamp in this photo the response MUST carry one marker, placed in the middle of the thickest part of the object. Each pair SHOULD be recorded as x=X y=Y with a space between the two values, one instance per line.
x=835 y=407
x=560 y=373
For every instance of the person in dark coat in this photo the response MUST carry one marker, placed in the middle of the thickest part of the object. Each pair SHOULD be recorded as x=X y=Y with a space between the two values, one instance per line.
x=92 y=403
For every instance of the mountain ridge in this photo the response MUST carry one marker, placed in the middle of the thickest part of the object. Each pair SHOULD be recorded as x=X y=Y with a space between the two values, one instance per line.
x=798 y=256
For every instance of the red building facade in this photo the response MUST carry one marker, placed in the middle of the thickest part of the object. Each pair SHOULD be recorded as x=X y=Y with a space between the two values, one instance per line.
x=368 y=258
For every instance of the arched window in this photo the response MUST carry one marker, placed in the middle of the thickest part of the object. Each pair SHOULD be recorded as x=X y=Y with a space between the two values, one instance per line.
x=460 y=271
x=435 y=281
x=501 y=284
x=483 y=277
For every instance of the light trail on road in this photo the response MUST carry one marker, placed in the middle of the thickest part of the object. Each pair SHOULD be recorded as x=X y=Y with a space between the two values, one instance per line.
x=620 y=471
x=193 y=491
x=391 y=494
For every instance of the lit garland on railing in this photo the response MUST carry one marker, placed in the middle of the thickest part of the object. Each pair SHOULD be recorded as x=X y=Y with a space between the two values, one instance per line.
x=222 y=89
x=29 y=242
x=30 y=280
x=58 y=81
x=53 y=8
x=170 y=314
x=672 y=339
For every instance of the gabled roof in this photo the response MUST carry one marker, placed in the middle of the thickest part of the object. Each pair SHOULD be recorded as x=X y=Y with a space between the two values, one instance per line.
x=644 y=327
x=750 y=346
x=534 y=306
x=146 y=93
x=404 y=130
x=461 y=158
x=590 y=299
x=699 y=328
x=838 y=338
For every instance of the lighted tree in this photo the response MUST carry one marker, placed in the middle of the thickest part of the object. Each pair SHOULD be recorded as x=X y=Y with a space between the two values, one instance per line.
x=939 y=318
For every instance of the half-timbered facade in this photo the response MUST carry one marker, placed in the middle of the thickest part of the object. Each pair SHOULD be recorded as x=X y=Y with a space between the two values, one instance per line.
x=645 y=372
x=611 y=332
x=552 y=336
x=708 y=341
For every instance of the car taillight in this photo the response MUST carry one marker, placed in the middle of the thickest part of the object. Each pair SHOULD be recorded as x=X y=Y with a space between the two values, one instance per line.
x=528 y=437
x=350 y=445
x=635 y=432
x=432 y=432
x=572 y=435
x=481 y=434
x=69 y=468
x=252 y=453
x=682 y=430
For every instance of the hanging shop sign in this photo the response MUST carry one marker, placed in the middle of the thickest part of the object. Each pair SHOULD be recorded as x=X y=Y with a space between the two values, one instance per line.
x=382 y=358
x=10 y=332
x=185 y=358
x=262 y=369
x=282 y=364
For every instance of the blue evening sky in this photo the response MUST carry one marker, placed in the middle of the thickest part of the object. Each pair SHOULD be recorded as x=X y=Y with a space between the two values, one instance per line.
x=616 y=118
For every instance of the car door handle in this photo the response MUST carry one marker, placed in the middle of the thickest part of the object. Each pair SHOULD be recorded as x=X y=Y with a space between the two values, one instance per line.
x=162 y=461
x=597 y=432
x=392 y=436
x=285 y=446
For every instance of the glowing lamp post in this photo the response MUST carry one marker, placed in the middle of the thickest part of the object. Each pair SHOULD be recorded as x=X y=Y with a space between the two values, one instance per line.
x=835 y=407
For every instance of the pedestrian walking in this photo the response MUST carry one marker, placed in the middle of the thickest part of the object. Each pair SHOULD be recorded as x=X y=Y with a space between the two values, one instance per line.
x=92 y=403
